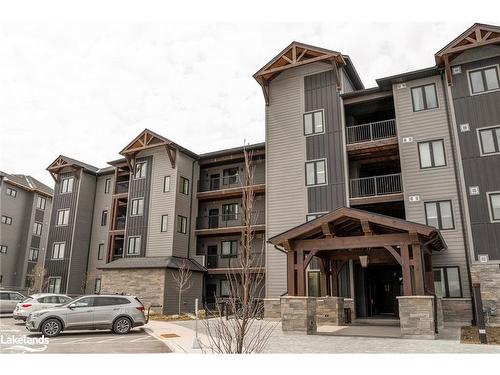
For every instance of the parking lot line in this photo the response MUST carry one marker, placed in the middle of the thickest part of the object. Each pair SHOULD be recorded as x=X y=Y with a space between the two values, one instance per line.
x=71 y=341
x=142 y=338
x=109 y=340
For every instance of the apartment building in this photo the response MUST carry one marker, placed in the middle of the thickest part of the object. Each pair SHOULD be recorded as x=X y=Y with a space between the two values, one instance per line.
x=131 y=226
x=421 y=146
x=25 y=206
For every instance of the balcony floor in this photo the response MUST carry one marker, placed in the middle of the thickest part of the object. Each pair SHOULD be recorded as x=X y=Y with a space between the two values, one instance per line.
x=227 y=230
x=369 y=148
x=398 y=197
x=228 y=193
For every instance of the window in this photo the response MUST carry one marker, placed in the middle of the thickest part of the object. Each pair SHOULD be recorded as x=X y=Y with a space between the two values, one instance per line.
x=316 y=172
x=54 y=285
x=230 y=176
x=37 y=229
x=6 y=220
x=310 y=217
x=439 y=214
x=11 y=192
x=424 y=97
x=431 y=154
x=104 y=218
x=29 y=281
x=62 y=217
x=140 y=170
x=224 y=288
x=181 y=224
x=137 y=207
x=164 y=223
x=229 y=249
x=58 y=250
x=41 y=202
x=166 y=184
x=489 y=140
x=33 y=255
x=184 y=186
x=3 y=249
x=97 y=286
x=84 y=302
x=484 y=80
x=447 y=282
x=107 y=186
x=100 y=251
x=67 y=185
x=134 y=245
x=494 y=204
x=109 y=301
x=313 y=122
x=230 y=211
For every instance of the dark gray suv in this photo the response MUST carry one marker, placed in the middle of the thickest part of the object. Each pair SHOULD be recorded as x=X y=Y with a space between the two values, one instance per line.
x=116 y=312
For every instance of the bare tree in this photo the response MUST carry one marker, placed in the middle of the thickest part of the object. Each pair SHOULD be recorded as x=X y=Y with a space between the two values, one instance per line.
x=245 y=331
x=40 y=278
x=182 y=281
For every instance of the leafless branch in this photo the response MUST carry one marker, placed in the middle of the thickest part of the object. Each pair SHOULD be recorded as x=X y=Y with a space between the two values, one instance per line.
x=182 y=280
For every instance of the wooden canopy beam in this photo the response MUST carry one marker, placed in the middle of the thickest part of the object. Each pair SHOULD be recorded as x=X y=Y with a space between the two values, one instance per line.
x=172 y=155
x=354 y=242
x=394 y=253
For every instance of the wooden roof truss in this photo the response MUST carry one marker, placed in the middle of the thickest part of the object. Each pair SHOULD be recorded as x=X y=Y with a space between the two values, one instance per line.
x=61 y=163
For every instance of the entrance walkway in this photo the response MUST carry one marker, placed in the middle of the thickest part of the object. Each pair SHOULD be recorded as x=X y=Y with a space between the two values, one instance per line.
x=387 y=327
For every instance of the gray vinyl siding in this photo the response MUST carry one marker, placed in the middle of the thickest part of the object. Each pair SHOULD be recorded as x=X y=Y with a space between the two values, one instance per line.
x=161 y=203
x=103 y=201
x=59 y=267
x=138 y=225
x=185 y=206
x=320 y=93
x=82 y=233
x=286 y=193
x=478 y=111
x=431 y=184
x=188 y=296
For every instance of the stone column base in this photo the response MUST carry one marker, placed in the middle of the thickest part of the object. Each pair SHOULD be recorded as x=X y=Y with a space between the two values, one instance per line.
x=416 y=317
x=298 y=314
x=272 y=308
x=330 y=311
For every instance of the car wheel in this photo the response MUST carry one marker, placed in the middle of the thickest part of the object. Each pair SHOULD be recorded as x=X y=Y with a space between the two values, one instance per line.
x=122 y=326
x=51 y=328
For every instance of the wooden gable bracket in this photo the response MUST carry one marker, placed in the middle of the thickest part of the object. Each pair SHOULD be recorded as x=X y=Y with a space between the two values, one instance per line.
x=367 y=230
x=338 y=78
x=449 y=77
x=172 y=155
x=55 y=177
x=327 y=230
x=395 y=254
x=309 y=257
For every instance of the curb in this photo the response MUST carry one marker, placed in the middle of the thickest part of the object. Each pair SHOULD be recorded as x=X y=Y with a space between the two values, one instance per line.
x=176 y=349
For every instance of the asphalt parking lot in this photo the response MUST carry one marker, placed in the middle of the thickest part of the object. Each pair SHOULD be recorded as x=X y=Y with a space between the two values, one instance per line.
x=137 y=341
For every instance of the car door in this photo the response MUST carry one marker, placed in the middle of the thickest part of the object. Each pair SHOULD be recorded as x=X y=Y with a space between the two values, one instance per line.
x=103 y=311
x=15 y=298
x=4 y=302
x=80 y=314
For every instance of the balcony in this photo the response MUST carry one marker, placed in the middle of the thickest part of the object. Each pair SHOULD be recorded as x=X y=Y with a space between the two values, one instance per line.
x=227 y=223
x=226 y=187
x=367 y=188
x=120 y=223
x=223 y=262
x=371 y=132
x=122 y=187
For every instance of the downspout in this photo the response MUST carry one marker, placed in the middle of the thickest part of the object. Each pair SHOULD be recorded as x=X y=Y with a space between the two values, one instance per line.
x=191 y=208
x=460 y=203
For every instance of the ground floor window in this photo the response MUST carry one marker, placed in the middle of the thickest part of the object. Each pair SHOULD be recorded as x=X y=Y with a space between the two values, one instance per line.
x=313 y=284
x=447 y=282
x=97 y=287
x=224 y=288
x=54 y=285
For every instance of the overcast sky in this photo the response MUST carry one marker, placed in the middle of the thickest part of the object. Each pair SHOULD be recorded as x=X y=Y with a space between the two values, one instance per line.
x=86 y=90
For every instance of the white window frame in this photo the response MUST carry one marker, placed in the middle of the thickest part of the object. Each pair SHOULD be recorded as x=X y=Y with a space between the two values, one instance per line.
x=137 y=251
x=63 y=216
x=326 y=172
x=67 y=191
x=322 y=110
x=60 y=256
x=166 y=184
x=31 y=253
x=100 y=251
x=97 y=282
x=497 y=66
x=490 y=208
x=164 y=223
x=11 y=192
x=39 y=200
x=137 y=213
x=143 y=170
x=37 y=229
x=480 y=143
x=107 y=185
x=48 y=284
x=6 y=220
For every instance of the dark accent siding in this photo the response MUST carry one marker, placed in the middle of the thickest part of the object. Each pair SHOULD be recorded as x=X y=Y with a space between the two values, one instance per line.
x=320 y=93
x=61 y=234
x=138 y=225
x=35 y=242
x=478 y=111
x=39 y=215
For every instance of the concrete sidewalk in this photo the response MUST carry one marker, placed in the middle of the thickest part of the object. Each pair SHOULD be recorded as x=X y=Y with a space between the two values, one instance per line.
x=177 y=338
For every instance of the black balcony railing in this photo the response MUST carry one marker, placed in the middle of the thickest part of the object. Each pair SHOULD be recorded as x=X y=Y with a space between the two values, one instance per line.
x=227 y=220
x=121 y=187
x=233 y=261
x=371 y=131
x=225 y=182
x=376 y=185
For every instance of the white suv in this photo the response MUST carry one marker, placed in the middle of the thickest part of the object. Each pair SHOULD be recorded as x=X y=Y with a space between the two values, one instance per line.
x=116 y=312
x=38 y=302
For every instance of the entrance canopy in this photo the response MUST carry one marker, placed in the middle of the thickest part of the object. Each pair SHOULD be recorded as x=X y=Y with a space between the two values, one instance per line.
x=351 y=234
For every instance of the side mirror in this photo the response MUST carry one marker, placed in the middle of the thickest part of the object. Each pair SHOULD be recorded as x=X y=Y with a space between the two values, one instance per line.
x=72 y=306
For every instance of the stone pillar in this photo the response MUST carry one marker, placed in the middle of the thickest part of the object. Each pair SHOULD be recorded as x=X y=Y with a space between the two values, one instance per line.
x=272 y=308
x=416 y=317
x=488 y=275
x=440 y=315
x=330 y=311
x=298 y=314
